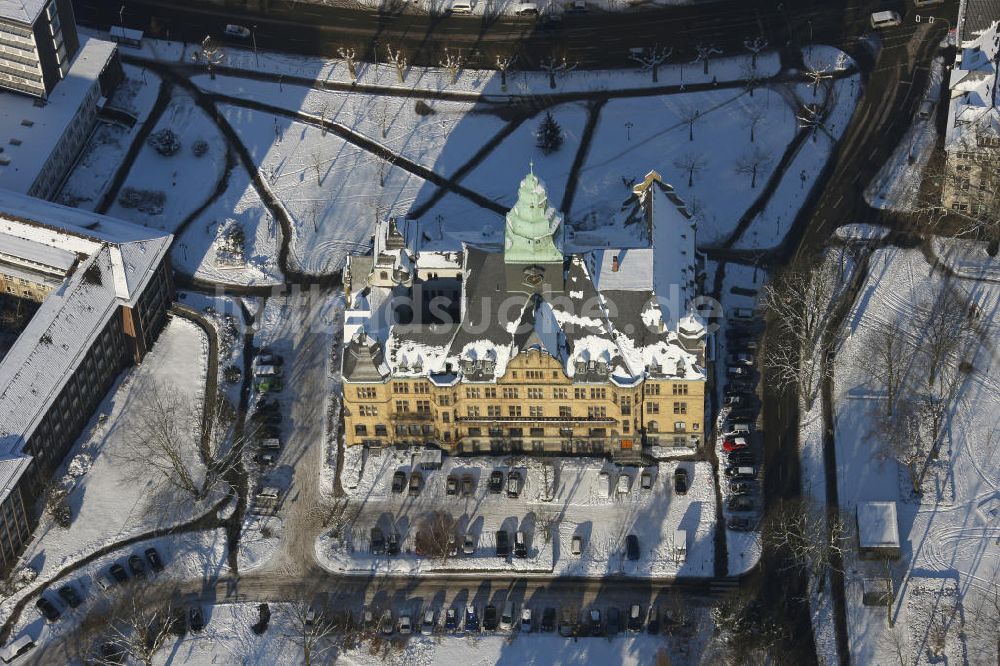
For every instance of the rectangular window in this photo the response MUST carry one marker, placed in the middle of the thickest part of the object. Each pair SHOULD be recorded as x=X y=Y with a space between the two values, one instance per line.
x=516 y=432
x=361 y=429
x=565 y=411
x=597 y=412
x=400 y=388
x=559 y=394
x=445 y=417
x=580 y=393
x=496 y=432
x=471 y=393
x=533 y=374
x=680 y=389
x=380 y=430
x=652 y=408
x=423 y=406
x=535 y=394
x=510 y=394
x=366 y=393
x=514 y=410
x=625 y=427
x=493 y=411
x=473 y=411
x=538 y=432
x=402 y=406
x=653 y=389
x=598 y=394
x=444 y=400
x=679 y=426
x=491 y=392
x=680 y=408
x=421 y=387
x=535 y=412
x=475 y=432
x=367 y=410
x=565 y=432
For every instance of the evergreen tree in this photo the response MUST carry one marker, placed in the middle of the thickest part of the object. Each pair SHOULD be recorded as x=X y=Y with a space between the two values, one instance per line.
x=549 y=134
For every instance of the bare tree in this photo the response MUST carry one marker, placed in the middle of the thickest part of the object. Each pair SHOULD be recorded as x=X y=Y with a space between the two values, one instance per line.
x=398 y=60
x=504 y=63
x=984 y=615
x=887 y=359
x=137 y=627
x=755 y=117
x=350 y=57
x=897 y=643
x=651 y=59
x=554 y=66
x=692 y=163
x=943 y=328
x=754 y=45
x=705 y=53
x=212 y=54
x=317 y=160
x=807 y=538
x=756 y=162
x=453 y=62
x=816 y=76
x=313 y=631
x=690 y=115
x=751 y=79
x=384 y=161
x=380 y=114
x=810 y=117
x=436 y=534
x=899 y=437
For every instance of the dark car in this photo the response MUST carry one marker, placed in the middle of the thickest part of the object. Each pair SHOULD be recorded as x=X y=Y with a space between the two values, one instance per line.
x=270 y=358
x=136 y=566
x=613 y=622
x=416 y=483
x=272 y=419
x=153 y=557
x=269 y=432
x=491 y=619
x=741 y=487
x=451 y=619
x=520 y=545
x=743 y=414
x=267 y=406
x=496 y=481
x=740 y=503
x=471 y=619
x=740 y=386
x=118 y=572
x=392 y=544
x=196 y=619
x=69 y=595
x=741 y=457
x=468 y=485
x=635 y=617
x=47 y=609
x=398 y=481
x=632 y=547
x=653 y=626
x=740 y=524
x=548 y=620
x=503 y=543
x=566 y=625
x=377 y=543
x=451 y=488
x=680 y=481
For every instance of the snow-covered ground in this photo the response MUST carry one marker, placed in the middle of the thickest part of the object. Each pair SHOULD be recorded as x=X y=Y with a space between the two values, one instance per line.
x=580 y=506
x=949 y=535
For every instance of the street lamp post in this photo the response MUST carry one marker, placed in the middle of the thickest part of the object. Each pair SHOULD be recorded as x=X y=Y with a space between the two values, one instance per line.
x=628 y=130
x=253 y=38
x=121 y=16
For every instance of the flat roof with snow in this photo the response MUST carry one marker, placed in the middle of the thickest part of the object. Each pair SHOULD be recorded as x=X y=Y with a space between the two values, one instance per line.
x=877 y=525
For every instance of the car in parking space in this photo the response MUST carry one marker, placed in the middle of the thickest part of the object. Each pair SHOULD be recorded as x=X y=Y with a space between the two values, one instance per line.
x=624 y=484
x=469 y=545
x=103 y=581
x=740 y=358
x=734 y=400
x=270 y=358
x=576 y=545
x=490 y=618
x=743 y=414
x=740 y=386
x=427 y=626
x=527 y=624
x=264 y=406
x=742 y=314
x=740 y=471
x=398 y=481
x=632 y=547
x=451 y=487
x=613 y=622
x=392 y=543
x=734 y=443
x=136 y=566
x=740 y=503
x=503 y=543
x=237 y=31
x=635 y=617
x=566 y=624
x=653 y=625
x=451 y=619
x=604 y=484
x=416 y=483
x=196 y=619
x=153 y=557
x=594 y=622
x=513 y=483
x=405 y=627
x=471 y=619
x=741 y=487
x=507 y=616
x=520 y=545
x=681 y=480
x=47 y=609
x=385 y=623
x=738 y=427
x=266 y=459
x=266 y=432
x=496 y=481
x=646 y=480
x=269 y=385
x=468 y=485
x=741 y=457
x=738 y=372
x=376 y=545
x=118 y=573
x=740 y=523
x=70 y=596
x=548 y=623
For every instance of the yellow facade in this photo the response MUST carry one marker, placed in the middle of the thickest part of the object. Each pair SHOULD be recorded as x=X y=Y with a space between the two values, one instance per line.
x=23 y=288
x=533 y=407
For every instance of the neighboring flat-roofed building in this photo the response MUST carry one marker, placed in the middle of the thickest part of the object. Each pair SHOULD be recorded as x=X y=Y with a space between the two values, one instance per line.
x=103 y=315
x=38 y=40
x=878 y=530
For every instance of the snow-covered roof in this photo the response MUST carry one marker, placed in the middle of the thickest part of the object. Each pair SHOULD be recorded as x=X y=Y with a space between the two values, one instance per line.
x=973 y=105
x=21 y=11
x=30 y=133
x=877 y=525
x=112 y=272
x=35 y=253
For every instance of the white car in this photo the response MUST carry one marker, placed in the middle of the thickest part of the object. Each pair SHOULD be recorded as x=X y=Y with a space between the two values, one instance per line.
x=624 y=484
x=427 y=628
x=576 y=546
x=604 y=483
x=404 y=625
x=237 y=31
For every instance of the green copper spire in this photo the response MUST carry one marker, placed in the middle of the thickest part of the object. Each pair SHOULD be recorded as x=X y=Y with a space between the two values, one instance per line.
x=532 y=225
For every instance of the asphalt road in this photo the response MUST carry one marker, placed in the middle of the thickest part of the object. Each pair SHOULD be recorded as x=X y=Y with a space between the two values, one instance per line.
x=593 y=39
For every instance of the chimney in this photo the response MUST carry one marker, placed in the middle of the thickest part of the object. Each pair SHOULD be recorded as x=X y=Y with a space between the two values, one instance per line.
x=614 y=264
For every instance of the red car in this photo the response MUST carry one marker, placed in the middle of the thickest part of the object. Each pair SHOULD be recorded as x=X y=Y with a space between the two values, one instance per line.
x=734 y=443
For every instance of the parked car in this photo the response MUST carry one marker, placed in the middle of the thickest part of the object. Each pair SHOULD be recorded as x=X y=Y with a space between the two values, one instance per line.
x=741 y=457
x=738 y=427
x=740 y=472
x=103 y=581
x=612 y=624
x=604 y=484
x=468 y=485
x=469 y=545
x=416 y=483
x=653 y=626
x=527 y=625
x=740 y=503
x=503 y=543
x=740 y=358
x=266 y=459
x=548 y=620
x=269 y=385
x=566 y=624
x=576 y=545
x=526 y=9
x=734 y=443
x=118 y=573
x=427 y=626
x=507 y=616
x=742 y=314
x=632 y=547
x=385 y=624
x=646 y=480
x=513 y=483
x=736 y=400
x=490 y=618
x=398 y=481
x=578 y=7
x=738 y=372
x=681 y=481
x=471 y=619
x=69 y=595
x=47 y=609
x=451 y=619
x=740 y=386
x=741 y=487
x=270 y=358
x=624 y=484
x=196 y=619
x=153 y=557
x=520 y=545
x=377 y=543
x=740 y=524
x=635 y=618
x=136 y=566
x=451 y=487
x=747 y=414
x=264 y=406
x=405 y=628
x=392 y=544
x=594 y=621
x=496 y=481
x=237 y=31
